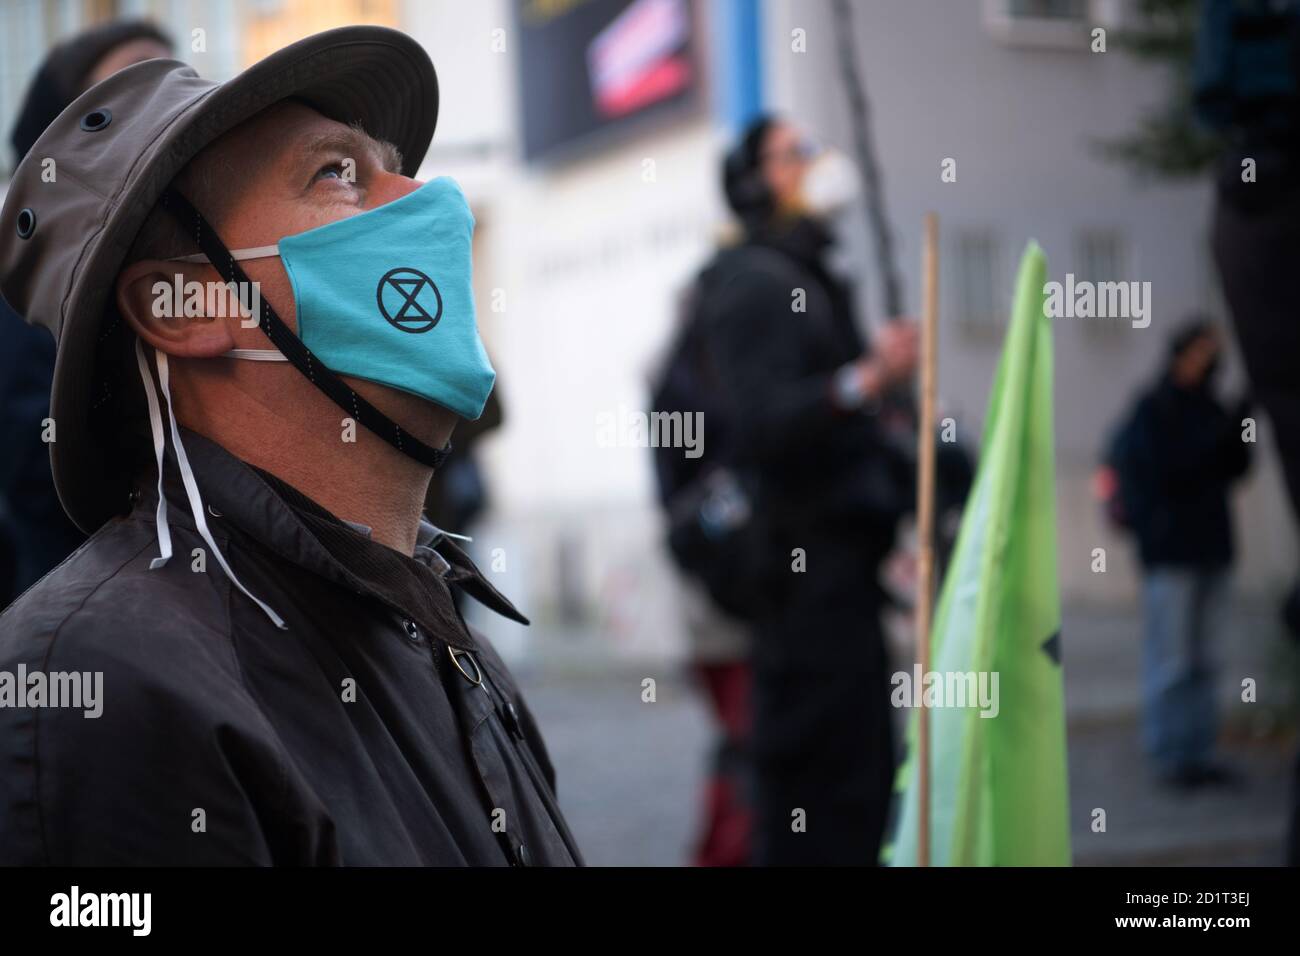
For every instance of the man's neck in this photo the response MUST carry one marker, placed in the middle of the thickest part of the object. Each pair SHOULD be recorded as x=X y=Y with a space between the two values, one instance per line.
x=286 y=427
x=366 y=482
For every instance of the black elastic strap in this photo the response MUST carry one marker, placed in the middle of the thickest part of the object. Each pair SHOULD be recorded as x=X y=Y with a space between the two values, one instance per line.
x=292 y=347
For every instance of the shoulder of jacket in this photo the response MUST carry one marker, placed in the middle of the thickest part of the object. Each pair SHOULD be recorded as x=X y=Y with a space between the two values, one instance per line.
x=750 y=259
x=72 y=581
x=103 y=609
x=115 y=668
x=1148 y=402
x=757 y=277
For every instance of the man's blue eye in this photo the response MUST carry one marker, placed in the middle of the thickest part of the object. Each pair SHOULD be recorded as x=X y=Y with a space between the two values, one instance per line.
x=333 y=169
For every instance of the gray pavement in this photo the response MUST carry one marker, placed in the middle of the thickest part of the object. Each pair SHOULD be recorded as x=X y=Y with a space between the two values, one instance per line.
x=1150 y=825
x=630 y=771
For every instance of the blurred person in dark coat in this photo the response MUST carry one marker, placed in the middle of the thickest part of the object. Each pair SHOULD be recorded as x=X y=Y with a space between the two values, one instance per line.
x=1247 y=87
x=825 y=488
x=715 y=621
x=1177 y=455
x=35 y=534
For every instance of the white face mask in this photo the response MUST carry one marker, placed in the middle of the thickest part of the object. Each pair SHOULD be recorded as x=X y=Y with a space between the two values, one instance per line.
x=831 y=185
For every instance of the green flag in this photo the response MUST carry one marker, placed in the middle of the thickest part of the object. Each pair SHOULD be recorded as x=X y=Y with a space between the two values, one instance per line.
x=998 y=791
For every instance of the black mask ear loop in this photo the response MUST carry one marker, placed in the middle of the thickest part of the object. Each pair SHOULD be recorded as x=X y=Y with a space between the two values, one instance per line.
x=292 y=347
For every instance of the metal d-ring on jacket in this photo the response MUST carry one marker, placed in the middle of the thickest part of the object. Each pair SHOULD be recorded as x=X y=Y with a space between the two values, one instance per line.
x=375 y=730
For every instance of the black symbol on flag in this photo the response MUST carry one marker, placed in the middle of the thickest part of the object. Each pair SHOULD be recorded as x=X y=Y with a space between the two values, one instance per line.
x=1052 y=648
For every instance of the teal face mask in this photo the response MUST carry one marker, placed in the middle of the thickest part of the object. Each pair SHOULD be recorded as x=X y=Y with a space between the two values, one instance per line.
x=386 y=296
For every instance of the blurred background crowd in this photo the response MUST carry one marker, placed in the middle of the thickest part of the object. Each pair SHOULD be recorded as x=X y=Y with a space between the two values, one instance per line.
x=603 y=144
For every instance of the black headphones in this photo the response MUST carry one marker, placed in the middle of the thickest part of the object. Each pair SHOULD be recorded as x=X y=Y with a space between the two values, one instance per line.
x=742 y=174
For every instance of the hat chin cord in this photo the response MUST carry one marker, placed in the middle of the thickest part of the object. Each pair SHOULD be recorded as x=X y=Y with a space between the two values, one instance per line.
x=187 y=478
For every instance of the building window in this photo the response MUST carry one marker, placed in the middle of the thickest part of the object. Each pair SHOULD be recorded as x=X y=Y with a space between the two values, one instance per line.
x=1101 y=256
x=1047 y=9
x=1063 y=24
x=980 y=304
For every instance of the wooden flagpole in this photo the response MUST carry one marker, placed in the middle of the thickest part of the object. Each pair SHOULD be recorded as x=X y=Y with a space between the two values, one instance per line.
x=925 y=516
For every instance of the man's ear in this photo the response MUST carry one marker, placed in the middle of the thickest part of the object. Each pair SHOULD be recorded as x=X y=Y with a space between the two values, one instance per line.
x=170 y=305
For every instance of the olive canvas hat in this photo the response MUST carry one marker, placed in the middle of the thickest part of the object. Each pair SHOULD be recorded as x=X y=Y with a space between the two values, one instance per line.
x=68 y=225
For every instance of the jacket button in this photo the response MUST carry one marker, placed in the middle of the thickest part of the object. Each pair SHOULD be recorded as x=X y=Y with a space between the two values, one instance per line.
x=522 y=857
x=412 y=631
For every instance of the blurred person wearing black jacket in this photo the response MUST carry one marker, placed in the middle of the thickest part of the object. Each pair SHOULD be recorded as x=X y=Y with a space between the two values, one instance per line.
x=1177 y=454
x=805 y=432
x=35 y=534
x=1247 y=88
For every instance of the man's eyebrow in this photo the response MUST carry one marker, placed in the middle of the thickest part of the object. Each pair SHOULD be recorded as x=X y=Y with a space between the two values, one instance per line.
x=352 y=142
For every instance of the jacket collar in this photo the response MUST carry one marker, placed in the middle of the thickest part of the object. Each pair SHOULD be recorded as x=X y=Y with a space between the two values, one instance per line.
x=800 y=237
x=292 y=526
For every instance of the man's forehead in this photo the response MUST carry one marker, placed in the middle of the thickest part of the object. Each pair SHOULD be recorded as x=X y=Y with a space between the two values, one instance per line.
x=290 y=133
x=343 y=140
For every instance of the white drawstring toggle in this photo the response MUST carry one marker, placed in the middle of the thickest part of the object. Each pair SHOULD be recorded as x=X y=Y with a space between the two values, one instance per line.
x=159 y=453
x=187 y=478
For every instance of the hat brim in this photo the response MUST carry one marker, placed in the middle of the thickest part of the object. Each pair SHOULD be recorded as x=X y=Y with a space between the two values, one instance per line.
x=378 y=78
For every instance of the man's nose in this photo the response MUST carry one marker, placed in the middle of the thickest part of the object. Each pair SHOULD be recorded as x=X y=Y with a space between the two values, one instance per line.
x=387 y=187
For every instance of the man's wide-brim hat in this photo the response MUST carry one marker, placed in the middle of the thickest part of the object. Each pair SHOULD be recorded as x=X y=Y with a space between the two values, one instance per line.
x=67 y=226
